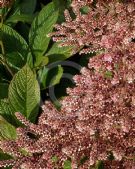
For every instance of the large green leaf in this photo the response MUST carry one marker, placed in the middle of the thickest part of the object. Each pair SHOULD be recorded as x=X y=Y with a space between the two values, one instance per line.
x=14 y=44
x=24 y=93
x=42 y=25
x=57 y=53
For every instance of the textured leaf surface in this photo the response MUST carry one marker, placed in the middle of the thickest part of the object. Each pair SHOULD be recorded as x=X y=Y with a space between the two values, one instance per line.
x=7 y=131
x=13 y=42
x=41 y=27
x=24 y=92
x=15 y=46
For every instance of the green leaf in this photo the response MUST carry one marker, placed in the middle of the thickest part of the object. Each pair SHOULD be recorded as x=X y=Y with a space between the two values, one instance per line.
x=24 y=93
x=20 y=17
x=67 y=164
x=55 y=159
x=42 y=25
x=7 y=112
x=85 y=9
x=69 y=2
x=15 y=10
x=42 y=77
x=61 y=6
x=19 y=10
x=14 y=43
x=4 y=11
x=41 y=61
x=108 y=74
x=15 y=60
x=7 y=131
x=28 y=6
x=57 y=53
x=50 y=77
x=4 y=156
x=3 y=90
x=55 y=78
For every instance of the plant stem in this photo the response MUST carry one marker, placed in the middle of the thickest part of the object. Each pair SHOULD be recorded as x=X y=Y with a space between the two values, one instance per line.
x=9 y=70
x=4 y=59
x=2 y=47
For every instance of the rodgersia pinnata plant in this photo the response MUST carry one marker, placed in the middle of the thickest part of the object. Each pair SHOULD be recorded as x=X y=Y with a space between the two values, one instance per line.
x=96 y=121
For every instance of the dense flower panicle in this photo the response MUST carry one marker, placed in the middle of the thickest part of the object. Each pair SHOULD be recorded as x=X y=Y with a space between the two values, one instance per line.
x=97 y=118
x=97 y=121
x=109 y=25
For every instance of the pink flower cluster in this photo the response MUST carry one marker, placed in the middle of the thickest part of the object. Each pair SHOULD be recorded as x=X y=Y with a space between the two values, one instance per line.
x=108 y=25
x=97 y=121
x=97 y=118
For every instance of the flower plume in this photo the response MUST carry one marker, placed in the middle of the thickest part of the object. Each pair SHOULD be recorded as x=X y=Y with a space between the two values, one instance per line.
x=96 y=121
x=108 y=25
